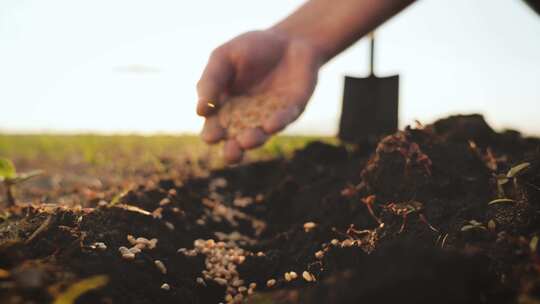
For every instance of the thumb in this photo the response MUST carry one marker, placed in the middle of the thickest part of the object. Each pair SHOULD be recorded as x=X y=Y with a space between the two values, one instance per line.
x=215 y=78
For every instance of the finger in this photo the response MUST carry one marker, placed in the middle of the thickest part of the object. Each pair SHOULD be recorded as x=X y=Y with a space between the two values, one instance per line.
x=214 y=81
x=251 y=138
x=232 y=152
x=281 y=118
x=212 y=131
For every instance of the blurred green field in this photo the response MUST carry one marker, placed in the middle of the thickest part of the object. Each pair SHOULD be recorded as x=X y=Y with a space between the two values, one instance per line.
x=99 y=149
x=82 y=167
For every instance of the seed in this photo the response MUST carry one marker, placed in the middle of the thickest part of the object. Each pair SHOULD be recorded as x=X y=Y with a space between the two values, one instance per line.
x=319 y=254
x=293 y=275
x=260 y=254
x=237 y=283
x=123 y=250
x=308 y=276
x=199 y=243
x=172 y=192
x=270 y=283
x=141 y=240
x=239 y=298
x=165 y=286
x=228 y=298
x=242 y=289
x=100 y=246
x=491 y=225
x=128 y=256
x=200 y=281
x=141 y=246
x=252 y=285
x=152 y=243
x=347 y=243
x=134 y=250
x=287 y=277
x=158 y=213
x=200 y=222
x=220 y=281
x=210 y=243
x=131 y=239
x=169 y=225
x=334 y=242
x=309 y=226
x=160 y=266
x=164 y=201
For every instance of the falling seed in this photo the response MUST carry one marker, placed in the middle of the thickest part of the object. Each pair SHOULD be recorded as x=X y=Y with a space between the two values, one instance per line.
x=319 y=254
x=334 y=242
x=309 y=226
x=165 y=286
x=172 y=192
x=260 y=254
x=270 y=283
x=160 y=266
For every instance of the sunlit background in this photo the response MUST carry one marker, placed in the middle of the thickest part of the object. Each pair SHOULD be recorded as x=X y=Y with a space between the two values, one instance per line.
x=131 y=66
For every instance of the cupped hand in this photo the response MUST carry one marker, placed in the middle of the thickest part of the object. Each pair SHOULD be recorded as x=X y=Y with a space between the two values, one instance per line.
x=266 y=66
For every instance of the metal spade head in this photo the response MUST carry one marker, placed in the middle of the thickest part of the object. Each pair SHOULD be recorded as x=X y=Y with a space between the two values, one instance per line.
x=370 y=106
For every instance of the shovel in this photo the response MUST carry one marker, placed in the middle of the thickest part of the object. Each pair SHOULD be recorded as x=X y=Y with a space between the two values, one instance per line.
x=370 y=106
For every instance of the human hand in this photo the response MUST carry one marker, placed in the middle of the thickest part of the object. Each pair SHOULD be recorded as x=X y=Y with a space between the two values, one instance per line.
x=254 y=86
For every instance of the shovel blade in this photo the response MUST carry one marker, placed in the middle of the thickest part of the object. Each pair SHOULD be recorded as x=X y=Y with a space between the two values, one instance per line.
x=370 y=108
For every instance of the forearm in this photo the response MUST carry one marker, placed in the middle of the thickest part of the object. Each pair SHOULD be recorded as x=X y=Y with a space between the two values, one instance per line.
x=333 y=25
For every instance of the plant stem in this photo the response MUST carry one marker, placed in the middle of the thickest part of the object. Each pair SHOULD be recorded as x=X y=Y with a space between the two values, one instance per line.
x=9 y=194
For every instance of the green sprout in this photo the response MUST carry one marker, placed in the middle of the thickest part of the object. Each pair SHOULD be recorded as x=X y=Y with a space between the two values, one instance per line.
x=9 y=177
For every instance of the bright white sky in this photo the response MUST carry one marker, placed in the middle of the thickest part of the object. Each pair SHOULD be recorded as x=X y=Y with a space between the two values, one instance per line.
x=131 y=66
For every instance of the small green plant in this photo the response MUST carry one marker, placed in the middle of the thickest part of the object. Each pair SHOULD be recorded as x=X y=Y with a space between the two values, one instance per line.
x=9 y=177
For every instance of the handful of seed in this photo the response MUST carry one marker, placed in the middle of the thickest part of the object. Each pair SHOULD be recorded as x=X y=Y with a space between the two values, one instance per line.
x=245 y=112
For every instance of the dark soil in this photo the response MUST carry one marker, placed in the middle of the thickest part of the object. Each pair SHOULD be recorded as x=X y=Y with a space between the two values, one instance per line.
x=444 y=173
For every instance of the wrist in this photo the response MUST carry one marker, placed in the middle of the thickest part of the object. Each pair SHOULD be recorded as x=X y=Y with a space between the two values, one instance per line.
x=293 y=37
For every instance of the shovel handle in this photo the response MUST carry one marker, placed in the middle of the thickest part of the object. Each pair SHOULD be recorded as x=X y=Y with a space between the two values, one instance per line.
x=371 y=53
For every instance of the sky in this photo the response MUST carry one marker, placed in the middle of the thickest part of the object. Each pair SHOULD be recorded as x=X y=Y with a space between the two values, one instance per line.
x=128 y=66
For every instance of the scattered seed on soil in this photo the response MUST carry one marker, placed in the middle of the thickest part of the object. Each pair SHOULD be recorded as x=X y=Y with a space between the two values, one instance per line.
x=309 y=226
x=160 y=266
x=270 y=283
x=308 y=276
